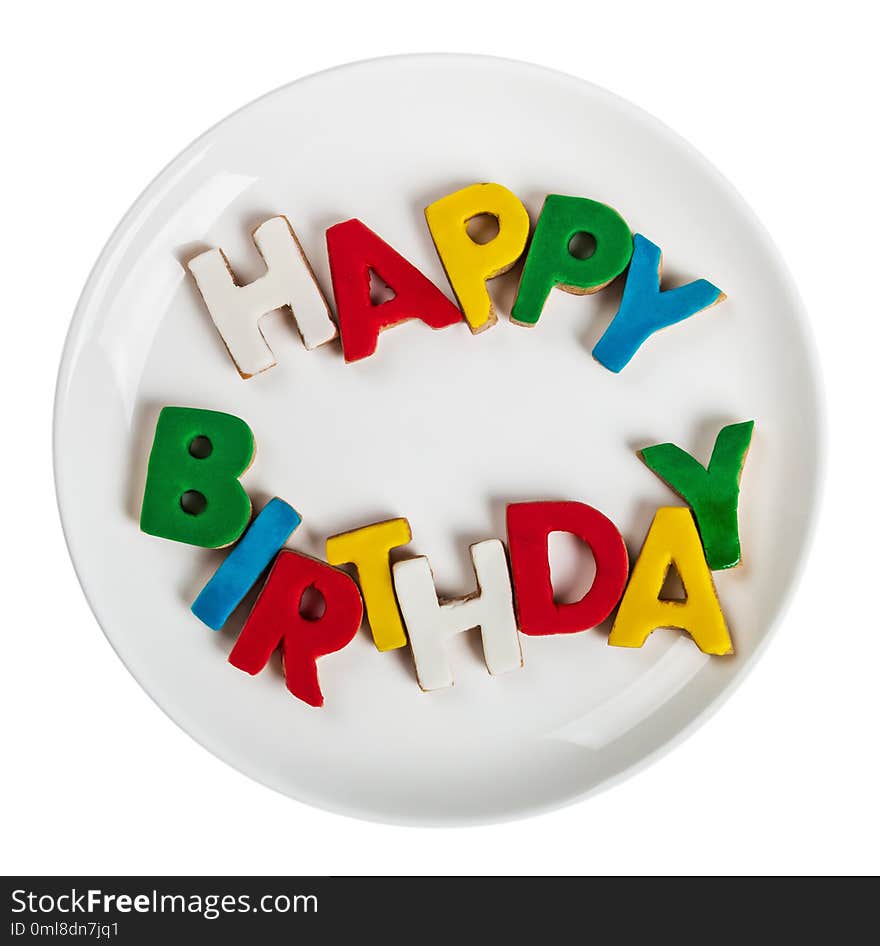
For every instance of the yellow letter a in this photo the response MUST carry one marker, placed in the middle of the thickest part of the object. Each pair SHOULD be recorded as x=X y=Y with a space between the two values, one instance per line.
x=672 y=540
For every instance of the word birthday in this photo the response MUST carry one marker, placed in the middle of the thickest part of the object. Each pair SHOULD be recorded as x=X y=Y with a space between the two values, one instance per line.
x=193 y=494
x=579 y=246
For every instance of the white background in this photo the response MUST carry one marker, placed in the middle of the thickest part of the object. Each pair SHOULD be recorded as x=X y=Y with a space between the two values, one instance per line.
x=782 y=98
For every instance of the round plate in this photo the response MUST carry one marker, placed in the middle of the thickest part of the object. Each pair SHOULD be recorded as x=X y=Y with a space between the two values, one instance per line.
x=442 y=427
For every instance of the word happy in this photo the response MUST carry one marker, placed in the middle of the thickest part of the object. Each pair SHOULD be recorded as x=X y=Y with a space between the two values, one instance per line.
x=355 y=253
x=194 y=494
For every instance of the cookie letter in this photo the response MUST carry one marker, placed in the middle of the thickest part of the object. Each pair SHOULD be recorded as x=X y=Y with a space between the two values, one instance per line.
x=671 y=540
x=469 y=264
x=354 y=252
x=551 y=261
x=192 y=493
x=430 y=623
x=244 y=564
x=367 y=549
x=237 y=310
x=644 y=309
x=713 y=492
x=276 y=619
x=528 y=528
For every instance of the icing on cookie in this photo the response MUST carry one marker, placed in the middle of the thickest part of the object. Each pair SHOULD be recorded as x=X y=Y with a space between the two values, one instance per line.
x=354 y=251
x=431 y=623
x=245 y=563
x=672 y=540
x=646 y=309
x=553 y=261
x=276 y=620
x=528 y=528
x=192 y=492
x=237 y=310
x=469 y=264
x=713 y=492
x=368 y=549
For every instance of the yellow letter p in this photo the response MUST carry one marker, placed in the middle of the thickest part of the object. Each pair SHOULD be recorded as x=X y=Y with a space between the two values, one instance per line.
x=469 y=264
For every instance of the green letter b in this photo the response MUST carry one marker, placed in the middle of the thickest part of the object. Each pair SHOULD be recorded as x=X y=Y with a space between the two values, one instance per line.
x=193 y=494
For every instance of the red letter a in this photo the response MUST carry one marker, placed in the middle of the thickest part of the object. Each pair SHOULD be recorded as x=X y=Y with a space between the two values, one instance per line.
x=354 y=251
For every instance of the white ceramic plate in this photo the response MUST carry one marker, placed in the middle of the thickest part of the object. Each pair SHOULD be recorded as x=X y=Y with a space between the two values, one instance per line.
x=441 y=427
